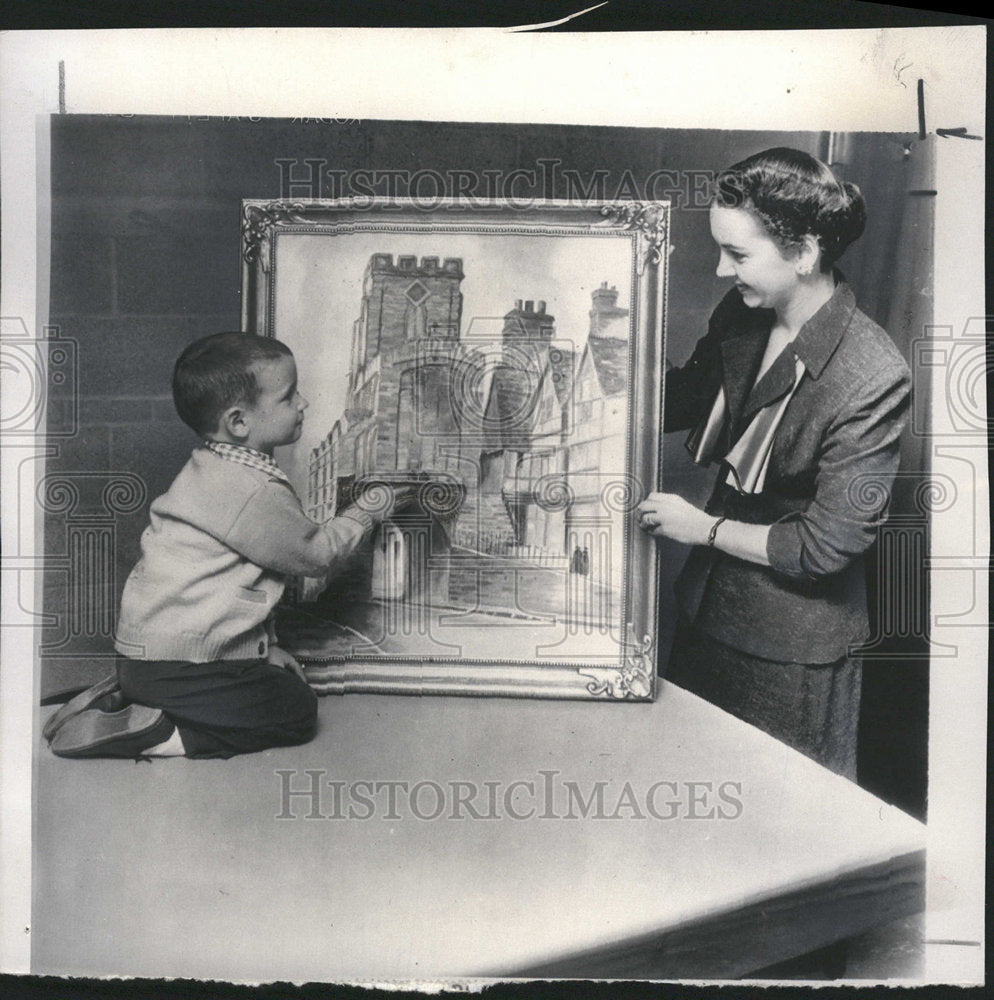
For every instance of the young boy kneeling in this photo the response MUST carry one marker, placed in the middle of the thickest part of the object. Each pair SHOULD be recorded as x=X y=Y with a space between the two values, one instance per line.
x=200 y=672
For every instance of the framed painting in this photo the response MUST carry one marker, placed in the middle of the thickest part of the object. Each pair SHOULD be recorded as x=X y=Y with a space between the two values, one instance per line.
x=501 y=365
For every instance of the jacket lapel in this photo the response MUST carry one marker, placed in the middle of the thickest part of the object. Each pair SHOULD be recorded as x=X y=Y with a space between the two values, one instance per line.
x=778 y=380
x=743 y=397
x=741 y=357
x=814 y=345
x=821 y=335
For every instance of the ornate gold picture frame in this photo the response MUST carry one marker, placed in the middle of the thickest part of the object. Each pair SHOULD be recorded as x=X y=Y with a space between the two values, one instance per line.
x=502 y=362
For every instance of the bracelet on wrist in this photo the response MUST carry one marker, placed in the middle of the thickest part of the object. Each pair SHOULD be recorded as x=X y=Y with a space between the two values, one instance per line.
x=713 y=533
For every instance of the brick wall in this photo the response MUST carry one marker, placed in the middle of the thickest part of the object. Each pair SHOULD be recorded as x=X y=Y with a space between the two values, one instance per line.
x=146 y=258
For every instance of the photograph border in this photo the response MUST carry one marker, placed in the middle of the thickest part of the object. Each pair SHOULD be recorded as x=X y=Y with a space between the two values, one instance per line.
x=798 y=78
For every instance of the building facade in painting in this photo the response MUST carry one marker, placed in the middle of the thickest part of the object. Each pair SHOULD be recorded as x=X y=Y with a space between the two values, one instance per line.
x=518 y=428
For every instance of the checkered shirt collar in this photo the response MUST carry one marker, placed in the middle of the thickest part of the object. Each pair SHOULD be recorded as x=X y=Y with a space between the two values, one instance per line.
x=247 y=456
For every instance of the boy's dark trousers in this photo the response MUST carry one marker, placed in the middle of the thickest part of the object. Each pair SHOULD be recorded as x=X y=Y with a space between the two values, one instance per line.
x=225 y=707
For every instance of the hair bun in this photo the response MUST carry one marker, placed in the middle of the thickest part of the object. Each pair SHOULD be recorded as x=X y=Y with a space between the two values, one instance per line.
x=793 y=194
x=852 y=219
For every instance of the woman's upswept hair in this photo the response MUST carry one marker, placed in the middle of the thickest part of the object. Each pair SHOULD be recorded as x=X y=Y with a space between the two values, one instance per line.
x=794 y=195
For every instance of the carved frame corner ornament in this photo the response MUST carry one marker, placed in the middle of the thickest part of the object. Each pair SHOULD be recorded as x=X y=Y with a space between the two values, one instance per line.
x=257 y=223
x=632 y=680
x=650 y=222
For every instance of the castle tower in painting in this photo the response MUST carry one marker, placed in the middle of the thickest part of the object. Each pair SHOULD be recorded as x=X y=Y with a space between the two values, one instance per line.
x=398 y=413
x=399 y=382
x=399 y=398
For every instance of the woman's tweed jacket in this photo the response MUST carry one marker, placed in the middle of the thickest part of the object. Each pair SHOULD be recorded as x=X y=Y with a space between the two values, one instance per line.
x=827 y=488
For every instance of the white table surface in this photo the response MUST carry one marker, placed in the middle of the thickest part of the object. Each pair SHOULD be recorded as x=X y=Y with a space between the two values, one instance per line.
x=180 y=868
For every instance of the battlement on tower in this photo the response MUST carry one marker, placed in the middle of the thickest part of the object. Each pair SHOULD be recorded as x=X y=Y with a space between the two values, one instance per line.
x=410 y=266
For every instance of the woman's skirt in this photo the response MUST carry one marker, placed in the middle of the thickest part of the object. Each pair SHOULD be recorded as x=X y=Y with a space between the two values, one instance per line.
x=811 y=707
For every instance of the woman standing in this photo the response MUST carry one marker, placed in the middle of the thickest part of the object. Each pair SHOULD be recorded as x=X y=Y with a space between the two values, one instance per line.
x=801 y=400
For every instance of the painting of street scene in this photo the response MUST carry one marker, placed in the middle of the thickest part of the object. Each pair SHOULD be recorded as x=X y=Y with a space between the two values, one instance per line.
x=487 y=377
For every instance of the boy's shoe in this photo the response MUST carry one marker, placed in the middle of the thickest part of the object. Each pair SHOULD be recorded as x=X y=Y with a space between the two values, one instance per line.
x=103 y=695
x=112 y=702
x=125 y=733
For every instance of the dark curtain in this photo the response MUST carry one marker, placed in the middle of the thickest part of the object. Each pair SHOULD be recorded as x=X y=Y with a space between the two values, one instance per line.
x=896 y=175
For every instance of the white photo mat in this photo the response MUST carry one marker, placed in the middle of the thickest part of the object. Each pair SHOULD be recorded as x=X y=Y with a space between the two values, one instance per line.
x=845 y=81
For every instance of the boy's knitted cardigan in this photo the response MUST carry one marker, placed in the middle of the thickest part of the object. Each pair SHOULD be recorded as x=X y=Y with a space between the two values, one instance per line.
x=213 y=562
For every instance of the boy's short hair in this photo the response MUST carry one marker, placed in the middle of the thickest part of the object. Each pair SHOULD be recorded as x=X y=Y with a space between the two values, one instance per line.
x=216 y=372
